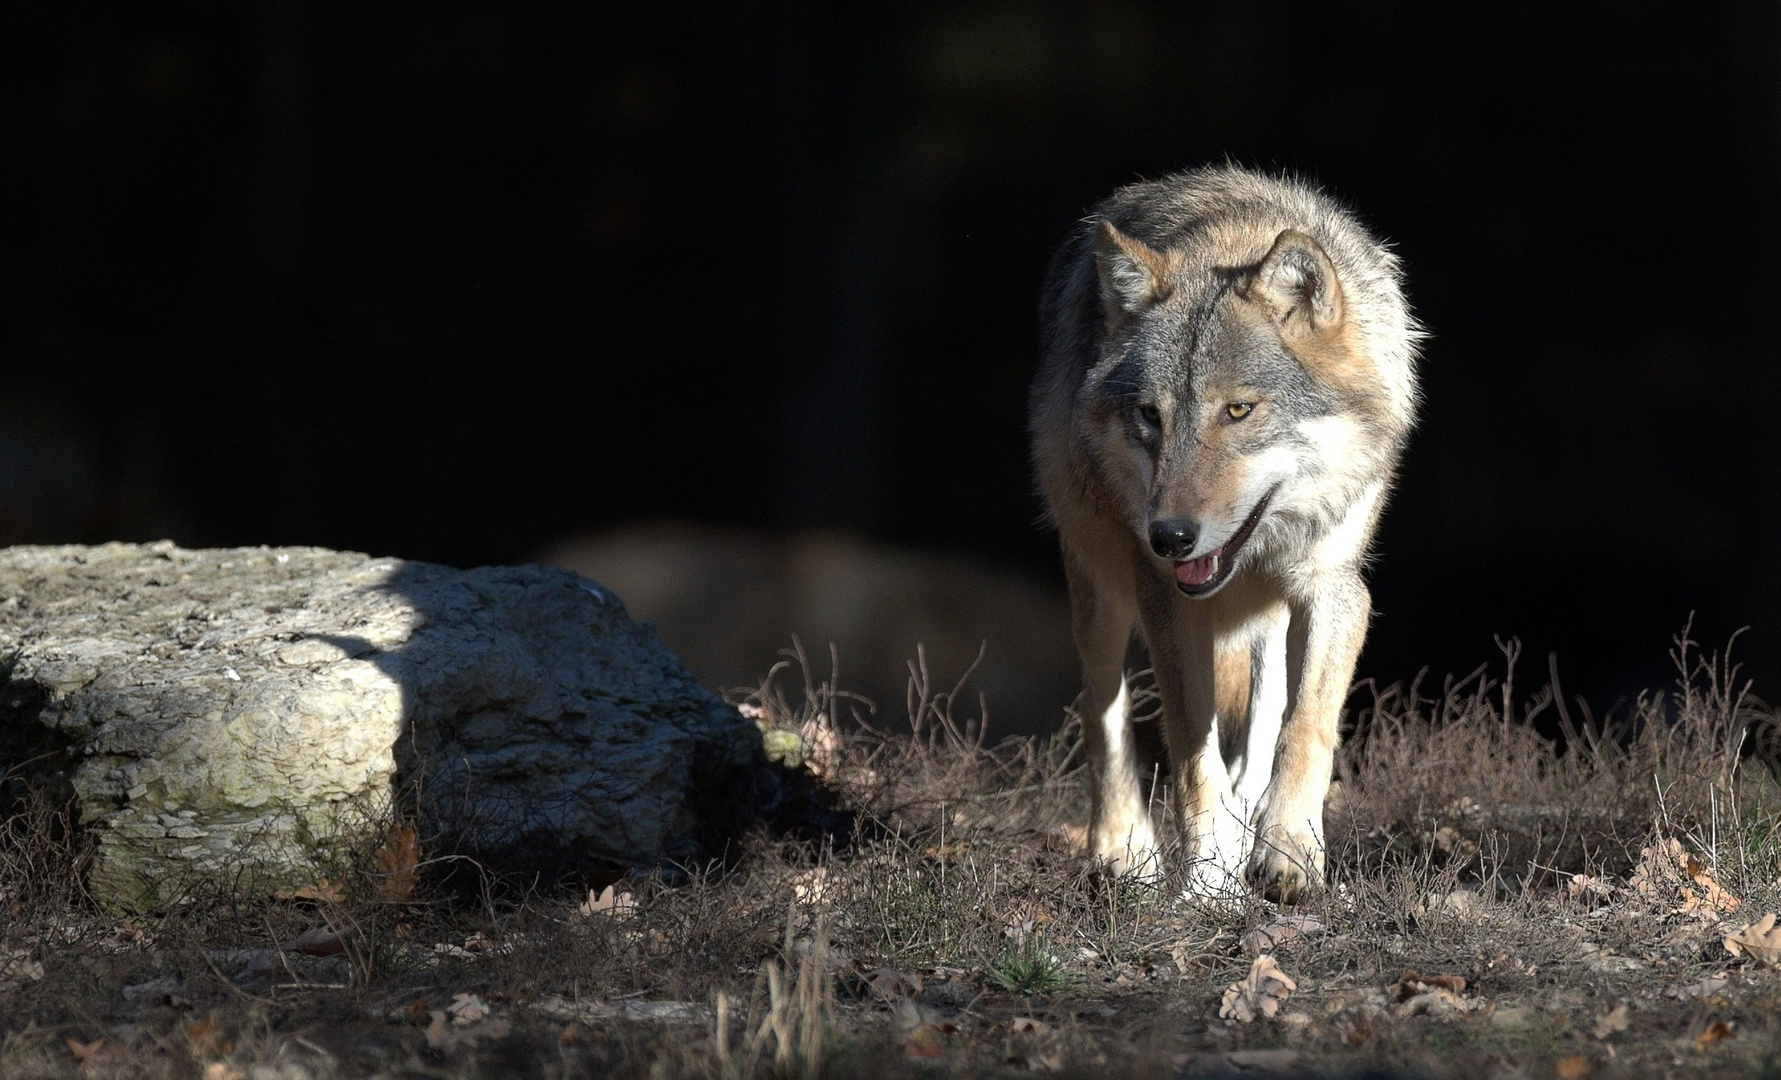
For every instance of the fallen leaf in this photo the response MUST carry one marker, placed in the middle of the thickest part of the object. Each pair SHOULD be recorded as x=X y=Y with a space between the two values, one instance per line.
x=610 y=902
x=1669 y=871
x=17 y=968
x=889 y=984
x=1432 y=995
x=321 y=891
x=397 y=859
x=1258 y=994
x=462 y=1023
x=1761 y=939
x=812 y=885
x=84 y=1050
x=439 y=1033
x=947 y=853
x=1575 y=1067
x=1282 y=931
x=822 y=745
x=1462 y=903
x=1717 y=1031
x=1448 y=841
x=1612 y=1022
x=1707 y=987
x=1026 y=1025
x=783 y=747
x=1591 y=892
x=204 y=1038
x=224 y=1070
x=318 y=941
x=1410 y=984
x=467 y=1009
x=923 y=1041
x=1069 y=839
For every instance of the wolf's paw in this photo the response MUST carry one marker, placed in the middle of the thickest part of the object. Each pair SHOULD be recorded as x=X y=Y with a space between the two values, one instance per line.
x=1131 y=851
x=1286 y=865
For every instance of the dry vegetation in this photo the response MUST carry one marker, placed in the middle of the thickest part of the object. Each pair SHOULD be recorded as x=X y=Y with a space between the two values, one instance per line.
x=1501 y=905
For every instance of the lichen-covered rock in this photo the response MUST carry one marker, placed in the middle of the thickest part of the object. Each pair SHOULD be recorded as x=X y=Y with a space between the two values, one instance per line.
x=243 y=714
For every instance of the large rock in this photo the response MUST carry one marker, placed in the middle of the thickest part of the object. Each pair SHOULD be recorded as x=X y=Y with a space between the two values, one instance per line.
x=247 y=714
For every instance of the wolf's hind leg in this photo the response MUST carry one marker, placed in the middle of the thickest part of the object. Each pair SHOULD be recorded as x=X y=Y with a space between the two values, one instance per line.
x=1119 y=824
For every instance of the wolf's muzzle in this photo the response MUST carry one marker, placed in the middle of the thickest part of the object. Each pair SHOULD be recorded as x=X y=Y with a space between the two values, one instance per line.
x=1172 y=538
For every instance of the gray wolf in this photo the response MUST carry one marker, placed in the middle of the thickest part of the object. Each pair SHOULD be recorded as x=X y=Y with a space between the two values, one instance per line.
x=1226 y=382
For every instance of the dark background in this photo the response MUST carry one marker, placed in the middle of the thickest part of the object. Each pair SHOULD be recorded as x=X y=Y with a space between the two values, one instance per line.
x=449 y=280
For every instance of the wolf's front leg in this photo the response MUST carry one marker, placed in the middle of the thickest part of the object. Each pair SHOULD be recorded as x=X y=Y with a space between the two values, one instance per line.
x=1119 y=828
x=1322 y=645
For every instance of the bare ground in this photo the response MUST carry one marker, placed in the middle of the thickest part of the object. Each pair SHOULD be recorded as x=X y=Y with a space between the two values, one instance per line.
x=1501 y=904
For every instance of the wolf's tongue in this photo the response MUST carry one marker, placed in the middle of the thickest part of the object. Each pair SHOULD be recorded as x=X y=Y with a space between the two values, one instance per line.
x=1198 y=571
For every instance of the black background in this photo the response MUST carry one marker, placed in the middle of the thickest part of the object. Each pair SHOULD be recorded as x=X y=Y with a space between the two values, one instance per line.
x=450 y=280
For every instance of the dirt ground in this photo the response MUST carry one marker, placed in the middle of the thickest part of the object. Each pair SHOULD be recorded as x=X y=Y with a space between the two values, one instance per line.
x=1502 y=903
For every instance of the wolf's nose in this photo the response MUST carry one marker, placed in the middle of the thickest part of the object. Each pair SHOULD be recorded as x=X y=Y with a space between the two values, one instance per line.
x=1172 y=538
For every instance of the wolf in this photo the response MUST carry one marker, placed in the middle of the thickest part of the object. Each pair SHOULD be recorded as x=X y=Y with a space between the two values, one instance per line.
x=1226 y=382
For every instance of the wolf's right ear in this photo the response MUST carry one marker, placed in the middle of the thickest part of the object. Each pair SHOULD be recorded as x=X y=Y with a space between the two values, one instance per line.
x=1133 y=274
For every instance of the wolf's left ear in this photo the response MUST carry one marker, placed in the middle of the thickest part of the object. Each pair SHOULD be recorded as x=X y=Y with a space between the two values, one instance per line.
x=1133 y=274
x=1297 y=283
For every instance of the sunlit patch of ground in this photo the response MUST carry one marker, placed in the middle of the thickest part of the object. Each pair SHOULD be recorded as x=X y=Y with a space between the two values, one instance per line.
x=1499 y=906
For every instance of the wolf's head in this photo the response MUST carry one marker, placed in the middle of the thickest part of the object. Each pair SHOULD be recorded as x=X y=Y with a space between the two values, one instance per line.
x=1239 y=405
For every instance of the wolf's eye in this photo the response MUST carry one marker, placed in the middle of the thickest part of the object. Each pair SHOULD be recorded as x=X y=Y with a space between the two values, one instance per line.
x=1151 y=414
x=1237 y=410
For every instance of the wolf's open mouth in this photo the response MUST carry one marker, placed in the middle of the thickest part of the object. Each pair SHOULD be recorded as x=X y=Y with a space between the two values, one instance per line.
x=1201 y=576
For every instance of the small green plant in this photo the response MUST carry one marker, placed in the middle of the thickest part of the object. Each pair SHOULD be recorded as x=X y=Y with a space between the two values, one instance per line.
x=1027 y=965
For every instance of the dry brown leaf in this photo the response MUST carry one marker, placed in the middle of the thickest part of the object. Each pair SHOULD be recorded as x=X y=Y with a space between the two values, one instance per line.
x=84 y=1050
x=609 y=901
x=1432 y=995
x=1069 y=839
x=1707 y=987
x=1282 y=931
x=318 y=941
x=397 y=859
x=1761 y=940
x=947 y=853
x=1668 y=872
x=17 y=968
x=924 y=1041
x=1026 y=1025
x=822 y=746
x=204 y=1038
x=1591 y=892
x=1411 y=984
x=322 y=891
x=1575 y=1067
x=446 y=1035
x=1450 y=842
x=889 y=984
x=1717 y=1031
x=1612 y=1022
x=467 y=1009
x=1258 y=994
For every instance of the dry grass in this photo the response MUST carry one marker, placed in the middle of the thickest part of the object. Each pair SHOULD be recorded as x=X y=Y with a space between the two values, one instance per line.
x=963 y=932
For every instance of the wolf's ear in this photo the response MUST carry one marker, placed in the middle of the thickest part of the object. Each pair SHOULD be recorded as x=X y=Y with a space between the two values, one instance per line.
x=1297 y=284
x=1133 y=274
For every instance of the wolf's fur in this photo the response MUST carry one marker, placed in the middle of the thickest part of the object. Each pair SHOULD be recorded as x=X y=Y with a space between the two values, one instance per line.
x=1176 y=304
